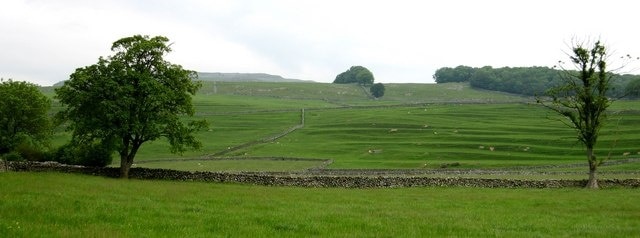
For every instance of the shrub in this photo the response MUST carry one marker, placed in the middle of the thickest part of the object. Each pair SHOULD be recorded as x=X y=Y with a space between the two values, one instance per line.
x=12 y=156
x=91 y=154
x=95 y=155
x=447 y=165
x=30 y=152
x=64 y=154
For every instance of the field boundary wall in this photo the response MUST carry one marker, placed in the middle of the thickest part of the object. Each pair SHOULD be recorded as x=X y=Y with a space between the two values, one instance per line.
x=316 y=180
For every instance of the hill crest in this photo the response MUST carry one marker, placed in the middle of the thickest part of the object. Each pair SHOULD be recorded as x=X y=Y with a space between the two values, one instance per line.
x=237 y=77
x=246 y=77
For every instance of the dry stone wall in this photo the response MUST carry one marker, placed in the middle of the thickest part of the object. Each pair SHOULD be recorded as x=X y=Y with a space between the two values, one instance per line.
x=317 y=180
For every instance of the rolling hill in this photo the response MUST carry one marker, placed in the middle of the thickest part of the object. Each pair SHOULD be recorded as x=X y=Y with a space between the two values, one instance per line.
x=412 y=126
x=236 y=77
x=245 y=77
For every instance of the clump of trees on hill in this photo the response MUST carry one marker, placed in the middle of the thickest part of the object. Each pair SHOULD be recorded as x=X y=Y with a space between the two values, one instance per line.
x=529 y=81
x=361 y=76
x=355 y=74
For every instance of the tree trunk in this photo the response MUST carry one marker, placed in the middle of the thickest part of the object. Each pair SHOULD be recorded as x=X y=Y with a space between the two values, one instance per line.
x=126 y=159
x=593 y=166
x=124 y=167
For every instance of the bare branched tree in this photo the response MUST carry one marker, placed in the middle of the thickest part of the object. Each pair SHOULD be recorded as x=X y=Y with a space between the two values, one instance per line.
x=582 y=99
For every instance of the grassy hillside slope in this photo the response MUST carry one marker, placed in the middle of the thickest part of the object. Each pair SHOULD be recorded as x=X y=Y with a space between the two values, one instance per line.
x=471 y=135
x=412 y=126
x=352 y=95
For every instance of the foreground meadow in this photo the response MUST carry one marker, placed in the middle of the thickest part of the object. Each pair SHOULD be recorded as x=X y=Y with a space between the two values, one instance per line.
x=67 y=205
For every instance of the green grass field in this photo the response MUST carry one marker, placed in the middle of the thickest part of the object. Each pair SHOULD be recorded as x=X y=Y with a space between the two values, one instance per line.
x=411 y=137
x=472 y=135
x=348 y=94
x=65 y=205
x=412 y=126
x=245 y=165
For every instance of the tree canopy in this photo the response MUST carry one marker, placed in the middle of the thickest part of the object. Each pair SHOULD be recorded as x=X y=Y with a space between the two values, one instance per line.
x=377 y=90
x=130 y=98
x=355 y=74
x=450 y=75
x=23 y=115
x=633 y=89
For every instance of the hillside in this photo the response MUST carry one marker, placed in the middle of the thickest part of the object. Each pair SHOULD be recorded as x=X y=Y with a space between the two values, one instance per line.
x=352 y=94
x=413 y=126
x=244 y=77
x=230 y=96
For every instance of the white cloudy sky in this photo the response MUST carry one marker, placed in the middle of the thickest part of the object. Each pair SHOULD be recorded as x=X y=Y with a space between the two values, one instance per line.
x=44 y=41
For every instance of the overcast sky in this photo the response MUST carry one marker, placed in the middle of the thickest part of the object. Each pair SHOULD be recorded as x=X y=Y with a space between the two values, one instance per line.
x=44 y=41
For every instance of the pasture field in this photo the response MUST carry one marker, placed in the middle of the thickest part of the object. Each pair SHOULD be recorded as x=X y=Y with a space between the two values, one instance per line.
x=474 y=135
x=429 y=136
x=226 y=131
x=70 y=205
x=244 y=165
x=352 y=95
x=413 y=126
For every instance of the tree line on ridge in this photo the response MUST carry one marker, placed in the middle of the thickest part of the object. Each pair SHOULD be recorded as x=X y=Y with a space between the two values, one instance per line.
x=528 y=81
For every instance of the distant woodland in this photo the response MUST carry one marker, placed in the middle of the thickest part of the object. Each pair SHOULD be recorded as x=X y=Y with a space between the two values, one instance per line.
x=528 y=81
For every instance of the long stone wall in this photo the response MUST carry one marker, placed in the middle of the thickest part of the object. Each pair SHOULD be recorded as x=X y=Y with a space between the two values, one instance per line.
x=316 y=180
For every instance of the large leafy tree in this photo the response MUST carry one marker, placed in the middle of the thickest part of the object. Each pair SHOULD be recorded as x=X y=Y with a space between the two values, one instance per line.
x=130 y=98
x=581 y=99
x=23 y=115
